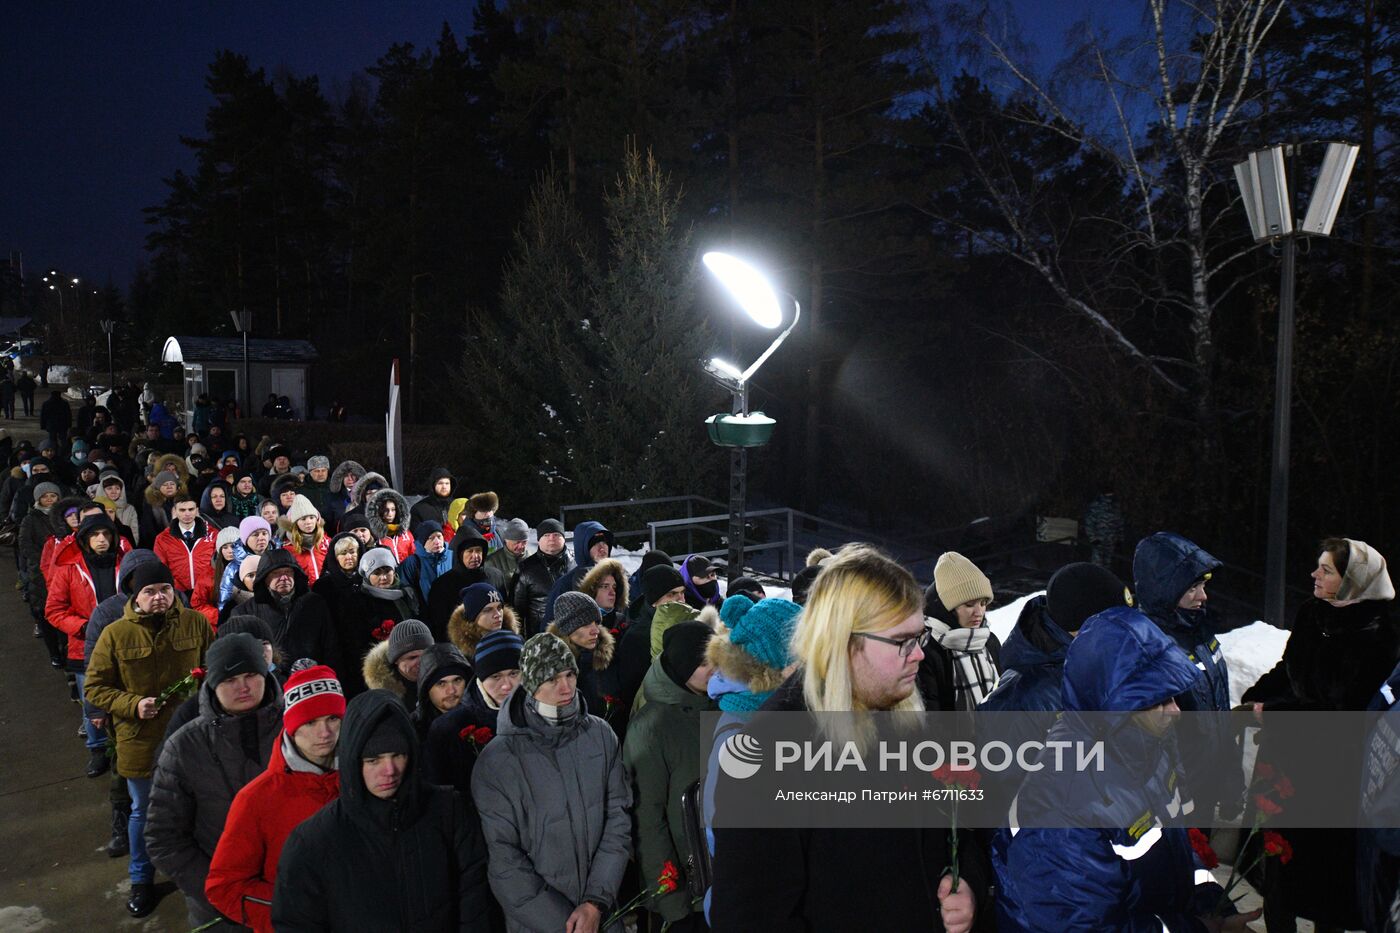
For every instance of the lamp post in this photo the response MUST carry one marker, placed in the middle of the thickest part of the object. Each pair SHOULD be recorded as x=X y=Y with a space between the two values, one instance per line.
x=108 y=325
x=1268 y=202
x=741 y=429
x=243 y=322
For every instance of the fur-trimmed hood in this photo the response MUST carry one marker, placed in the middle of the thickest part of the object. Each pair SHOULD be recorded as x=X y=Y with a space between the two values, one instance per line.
x=336 y=484
x=739 y=666
x=379 y=674
x=376 y=524
x=175 y=464
x=591 y=580
x=464 y=634
x=361 y=490
x=57 y=526
x=602 y=655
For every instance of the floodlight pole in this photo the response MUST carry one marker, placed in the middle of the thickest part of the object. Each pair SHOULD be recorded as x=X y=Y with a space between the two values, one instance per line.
x=1275 y=580
x=738 y=490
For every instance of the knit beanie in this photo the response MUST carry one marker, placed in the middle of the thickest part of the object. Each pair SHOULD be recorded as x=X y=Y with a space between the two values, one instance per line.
x=318 y=462
x=1078 y=591
x=244 y=623
x=425 y=530
x=44 y=488
x=147 y=574
x=351 y=522
x=249 y=565
x=551 y=526
x=543 y=658
x=227 y=535
x=441 y=661
x=497 y=651
x=375 y=558
x=655 y=558
x=683 y=649
x=408 y=635
x=660 y=580
x=388 y=738
x=957 y=581
x=802 y=583
x=301 y=507
x=574 y=610
x=748 y=586
x=231 y=655
x=763 y=629
x=163 y=477
x=516 y=530
x=251 y=524
x=310 y=694
x=477 y=597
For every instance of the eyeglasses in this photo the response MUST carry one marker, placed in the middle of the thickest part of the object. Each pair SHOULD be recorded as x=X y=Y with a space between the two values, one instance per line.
x=905 y=645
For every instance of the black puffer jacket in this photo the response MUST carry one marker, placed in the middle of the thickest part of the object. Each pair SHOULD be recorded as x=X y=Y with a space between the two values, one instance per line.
x=442 y=599
x=538 y=574
x=416 y=862
x=300 y=629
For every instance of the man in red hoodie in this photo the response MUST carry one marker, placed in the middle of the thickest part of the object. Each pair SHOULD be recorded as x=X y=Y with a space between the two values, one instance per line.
x=300 y=778
x=187 y=548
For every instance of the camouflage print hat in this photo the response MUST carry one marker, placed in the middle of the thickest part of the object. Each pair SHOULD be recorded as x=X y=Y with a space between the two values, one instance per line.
x=542 y=659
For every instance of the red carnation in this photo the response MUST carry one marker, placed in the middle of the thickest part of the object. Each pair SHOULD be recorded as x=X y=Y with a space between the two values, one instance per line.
x=1276 y=845
x=1263 y=771
x=1284 y=788
x=1204 y=852
x=669 y=877
x=484 y=735
x=197 y=673
x=970 y=779
x=1267 y=806
x=470 y=733
x=615 y=633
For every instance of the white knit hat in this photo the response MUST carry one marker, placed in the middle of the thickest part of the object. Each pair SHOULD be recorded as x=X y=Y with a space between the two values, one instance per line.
x=301 y=507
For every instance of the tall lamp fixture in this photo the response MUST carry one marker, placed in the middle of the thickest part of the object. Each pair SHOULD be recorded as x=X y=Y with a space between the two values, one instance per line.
x=243 y=323
x=741 y=429
x=108 y=325
x=1267 y=192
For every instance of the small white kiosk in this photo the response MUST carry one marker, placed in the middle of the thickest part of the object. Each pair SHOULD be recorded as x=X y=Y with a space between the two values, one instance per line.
x=215 y=365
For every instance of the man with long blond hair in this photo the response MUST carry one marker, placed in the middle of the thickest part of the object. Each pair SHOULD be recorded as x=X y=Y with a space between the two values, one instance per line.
x=858 y=646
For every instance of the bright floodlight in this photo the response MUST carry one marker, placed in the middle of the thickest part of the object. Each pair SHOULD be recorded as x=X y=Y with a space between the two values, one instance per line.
x=729 y=369
x=748 y=286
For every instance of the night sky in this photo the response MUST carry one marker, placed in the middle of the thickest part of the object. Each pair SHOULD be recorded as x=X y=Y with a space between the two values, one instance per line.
x=96 y=96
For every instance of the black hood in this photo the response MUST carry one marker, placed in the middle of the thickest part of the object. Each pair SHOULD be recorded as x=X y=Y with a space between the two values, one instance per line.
x=275 y=559
x=437 y=474
x=98 y=523
x=467 y=536
x=438 y=662
x=362 y=717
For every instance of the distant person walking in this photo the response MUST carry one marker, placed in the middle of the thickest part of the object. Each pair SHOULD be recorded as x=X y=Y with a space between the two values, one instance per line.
x=26 y=385
x=55 y=417
x=7 y=396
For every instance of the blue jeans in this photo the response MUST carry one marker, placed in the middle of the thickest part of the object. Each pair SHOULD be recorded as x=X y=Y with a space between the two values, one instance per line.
x=140 y=869
x=96 y=738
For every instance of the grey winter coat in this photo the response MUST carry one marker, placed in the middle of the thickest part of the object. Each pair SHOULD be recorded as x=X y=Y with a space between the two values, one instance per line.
x=200 y=770
x=553 y=800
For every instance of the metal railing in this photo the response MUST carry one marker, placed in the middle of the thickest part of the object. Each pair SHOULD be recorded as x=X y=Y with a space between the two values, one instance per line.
x=594 y=510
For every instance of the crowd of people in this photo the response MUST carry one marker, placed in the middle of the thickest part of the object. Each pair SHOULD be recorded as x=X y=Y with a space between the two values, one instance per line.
x=327 y=704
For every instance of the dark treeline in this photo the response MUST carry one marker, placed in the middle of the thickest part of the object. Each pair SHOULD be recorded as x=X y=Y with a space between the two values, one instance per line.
x=1017 y=289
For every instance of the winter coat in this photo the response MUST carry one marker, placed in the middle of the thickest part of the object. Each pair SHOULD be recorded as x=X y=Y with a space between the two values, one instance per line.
x=450 y=756
x=126 y=513
x=1145 y=875
x=582 y=564
x=398 y=538
x=936 y=677
x=538 y=574
x=553 y=799
x=464 y=633
x=597 y=678
x=1334 y=658
x=791 y=880
x=263 y=815
x=361 y=626
x=501 y=567
x=442 y=598
x=219 y=520
x=311 y=559
x=189 y=566
x=1378 y=841
x=135 y=657
x=336 y=587
x=73 y=596
x=662 y=755
x=1164 y=567
x=438 y=658
x=229 y=581
x=379 y=674
x=34 y=530
x=337 y=499
x=412 y=864
x=634 y=654
x=200 y=770
x=1032 y=665
x=302 y=628
x=421 y=569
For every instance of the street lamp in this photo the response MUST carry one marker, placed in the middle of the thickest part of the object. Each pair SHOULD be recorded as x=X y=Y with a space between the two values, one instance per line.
x=107 y=325
x=243 y=322
x=1268 y=203
x=741 y=429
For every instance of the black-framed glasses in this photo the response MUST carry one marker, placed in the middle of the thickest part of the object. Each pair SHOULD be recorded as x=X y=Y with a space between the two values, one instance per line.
x=905 y=645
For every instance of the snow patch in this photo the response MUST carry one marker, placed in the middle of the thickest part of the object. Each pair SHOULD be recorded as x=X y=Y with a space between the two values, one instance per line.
x=23 y=919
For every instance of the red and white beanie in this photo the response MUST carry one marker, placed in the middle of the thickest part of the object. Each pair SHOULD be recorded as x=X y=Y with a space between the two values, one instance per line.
x=311 y=694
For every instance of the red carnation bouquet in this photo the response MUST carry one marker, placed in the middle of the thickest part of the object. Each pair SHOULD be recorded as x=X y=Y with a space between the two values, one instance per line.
x=477 y=737
x=382 y=631
x=958 y=781
x=1267 y=790
x=187 y=684
x=668 y=881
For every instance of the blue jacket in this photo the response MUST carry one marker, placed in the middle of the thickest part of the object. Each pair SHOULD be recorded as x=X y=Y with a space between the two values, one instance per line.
x=1143 y=877
x=1378 y=841
x=422 y=569
x=583 y=532
x=1164 y=567
x=1032 y=666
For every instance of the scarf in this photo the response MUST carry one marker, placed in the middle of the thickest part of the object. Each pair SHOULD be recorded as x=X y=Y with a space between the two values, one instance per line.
x=297 y=762
x=490 y=703
x=393 y=595
x=555 y=715
x=974 y=674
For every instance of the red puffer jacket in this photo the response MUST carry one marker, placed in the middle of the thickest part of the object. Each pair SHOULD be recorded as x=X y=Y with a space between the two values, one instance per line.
x=263 y=815
x=189 y=566
x=313 y=559
x=73 y=596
